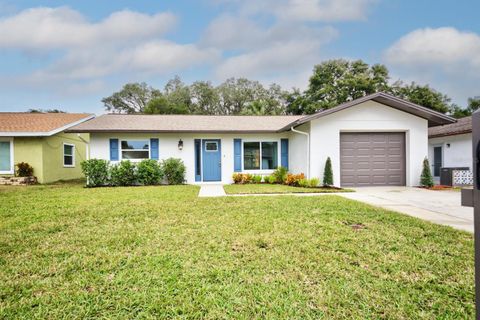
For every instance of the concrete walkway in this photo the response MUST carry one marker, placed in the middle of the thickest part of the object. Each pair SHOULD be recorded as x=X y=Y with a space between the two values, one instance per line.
x=211 y=190
x=442 y=207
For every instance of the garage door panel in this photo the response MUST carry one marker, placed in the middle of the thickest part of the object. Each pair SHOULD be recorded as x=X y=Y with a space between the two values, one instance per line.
x=372 y=159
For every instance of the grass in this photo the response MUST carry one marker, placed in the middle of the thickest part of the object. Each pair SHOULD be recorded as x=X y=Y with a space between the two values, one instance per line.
x=275 y=188
x=162 y=252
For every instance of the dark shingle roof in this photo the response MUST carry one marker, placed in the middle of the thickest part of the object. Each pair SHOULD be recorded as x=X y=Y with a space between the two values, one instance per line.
x=463 y=125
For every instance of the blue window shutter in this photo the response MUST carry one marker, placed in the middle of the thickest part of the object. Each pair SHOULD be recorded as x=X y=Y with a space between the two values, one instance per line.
x=154 y=149
x=284 y=152
x=114 y=149
x=198 y=152
x=237 y=155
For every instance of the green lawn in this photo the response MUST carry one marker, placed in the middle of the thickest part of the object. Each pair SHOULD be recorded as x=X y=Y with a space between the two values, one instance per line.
x=274 y=188
x=162 y=252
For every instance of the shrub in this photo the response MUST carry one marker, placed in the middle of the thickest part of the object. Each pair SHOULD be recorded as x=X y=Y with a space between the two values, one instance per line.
x=243 y=178
x=24 y=169
x=149 y=172
x=328 y=173
x=313 y=183
x=123 y=174
x=256 y=178
x=426 y=179
x=303 y=183
x=292 y=179
x=237 y=178
x=280 y=174
x=270 y=179
x=174 y=170
x=96 y=172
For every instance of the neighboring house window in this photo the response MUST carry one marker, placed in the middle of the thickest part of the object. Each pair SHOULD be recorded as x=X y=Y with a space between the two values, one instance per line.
x=260 y=155
x=135 y=149
x=6 y=156
x=68 y=155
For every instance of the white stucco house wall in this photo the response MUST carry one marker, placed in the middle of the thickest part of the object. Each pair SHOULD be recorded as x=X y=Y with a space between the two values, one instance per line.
x=372 y=141
x=450 y=146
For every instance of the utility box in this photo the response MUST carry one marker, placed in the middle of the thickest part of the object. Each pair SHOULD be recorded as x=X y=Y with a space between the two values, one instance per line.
x=446 y=175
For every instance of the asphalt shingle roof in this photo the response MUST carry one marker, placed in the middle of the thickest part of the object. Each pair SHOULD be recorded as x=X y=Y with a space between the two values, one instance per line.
x=463 y=125
x=21 y=122
x=184 y=123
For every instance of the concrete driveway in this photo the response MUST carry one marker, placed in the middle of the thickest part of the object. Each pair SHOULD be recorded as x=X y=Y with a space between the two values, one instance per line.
x=442 y=207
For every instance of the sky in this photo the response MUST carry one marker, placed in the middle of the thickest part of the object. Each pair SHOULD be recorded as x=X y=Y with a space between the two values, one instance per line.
x=69 y=55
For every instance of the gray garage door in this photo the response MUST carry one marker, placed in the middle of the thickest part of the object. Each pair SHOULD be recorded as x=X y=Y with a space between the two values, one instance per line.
x=372 y=159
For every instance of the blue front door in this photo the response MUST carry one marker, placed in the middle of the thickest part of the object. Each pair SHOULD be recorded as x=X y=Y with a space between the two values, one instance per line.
x=212 y=160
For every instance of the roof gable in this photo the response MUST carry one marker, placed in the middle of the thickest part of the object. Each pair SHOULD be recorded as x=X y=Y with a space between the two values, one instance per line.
x=434 y=118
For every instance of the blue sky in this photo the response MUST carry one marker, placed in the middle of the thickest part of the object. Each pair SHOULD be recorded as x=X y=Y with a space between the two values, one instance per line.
x=72 y=54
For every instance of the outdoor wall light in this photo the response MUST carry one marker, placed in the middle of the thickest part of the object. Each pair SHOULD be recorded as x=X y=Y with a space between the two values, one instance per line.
x=448 y=145
x=180 y=145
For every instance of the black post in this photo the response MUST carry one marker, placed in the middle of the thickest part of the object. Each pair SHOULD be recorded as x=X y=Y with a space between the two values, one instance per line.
x=476 y=204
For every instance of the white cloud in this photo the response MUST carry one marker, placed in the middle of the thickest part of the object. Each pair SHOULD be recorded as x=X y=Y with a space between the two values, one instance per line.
x=306 y=10
x=436 y=47
x=446 y=58
x=125 y=42
x=61 y=28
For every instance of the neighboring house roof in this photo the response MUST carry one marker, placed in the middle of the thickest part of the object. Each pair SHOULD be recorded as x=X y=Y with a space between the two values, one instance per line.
x=38 y=124
x=434 y=118
x=462 y=126
x=184 y=123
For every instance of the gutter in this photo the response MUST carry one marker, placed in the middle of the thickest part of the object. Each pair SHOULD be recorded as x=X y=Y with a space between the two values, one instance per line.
x=308 y=148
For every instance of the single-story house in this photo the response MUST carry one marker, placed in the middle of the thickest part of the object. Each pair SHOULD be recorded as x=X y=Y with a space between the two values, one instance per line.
x=450 y=146
x=39 y=139
x=372 y=141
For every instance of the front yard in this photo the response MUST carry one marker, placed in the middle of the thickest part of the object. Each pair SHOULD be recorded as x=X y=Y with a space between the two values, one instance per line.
x=162 y=252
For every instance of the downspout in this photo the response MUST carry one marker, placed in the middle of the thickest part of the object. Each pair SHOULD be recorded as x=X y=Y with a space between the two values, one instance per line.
x=308 y=148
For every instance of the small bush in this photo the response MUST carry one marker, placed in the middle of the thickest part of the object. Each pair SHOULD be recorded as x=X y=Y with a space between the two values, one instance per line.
x=271 y=179
x=292 y=179
x=123 y=174
x=24 y=170
x=303 y=183
x=280 y=174
x=426 y=179
x=96 y=172
x=237 y=178
x=174 y=170
x=257 y=178
x=328 y=173
x=313 y=183
x=149 y=172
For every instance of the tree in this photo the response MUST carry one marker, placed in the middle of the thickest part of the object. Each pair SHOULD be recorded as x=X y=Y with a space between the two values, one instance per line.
x=459 y=112
x=423 y=96
x=237 y=94
x=133 y=98
x=178 y=94
x=336 y=81
x=426 y=179
x=161 y=105
x=45 y=111
x=328 y=173
x=205 y=98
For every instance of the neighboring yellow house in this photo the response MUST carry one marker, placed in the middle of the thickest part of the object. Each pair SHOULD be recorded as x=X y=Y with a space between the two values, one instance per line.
x=39 y=139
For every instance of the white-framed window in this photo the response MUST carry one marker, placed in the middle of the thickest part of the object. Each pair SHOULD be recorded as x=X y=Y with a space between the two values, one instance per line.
x=135 y=149
x=211 y=146
x=68 y=155
x=260 y=155
x=6 y=156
